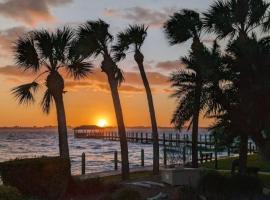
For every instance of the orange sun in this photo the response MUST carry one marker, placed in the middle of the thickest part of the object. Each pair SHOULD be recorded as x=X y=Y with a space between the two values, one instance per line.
x=102 y=123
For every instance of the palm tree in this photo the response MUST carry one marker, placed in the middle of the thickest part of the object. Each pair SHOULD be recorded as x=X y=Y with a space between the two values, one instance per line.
x=94 y=39
x=182 y=26
x=133 y=37
x=238 y=20
x=49 y=52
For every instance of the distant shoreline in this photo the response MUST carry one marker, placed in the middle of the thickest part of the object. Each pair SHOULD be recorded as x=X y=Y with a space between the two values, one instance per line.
x=71 y=127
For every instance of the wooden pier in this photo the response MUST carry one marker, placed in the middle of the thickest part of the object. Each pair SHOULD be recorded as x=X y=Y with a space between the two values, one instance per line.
x=168 y=139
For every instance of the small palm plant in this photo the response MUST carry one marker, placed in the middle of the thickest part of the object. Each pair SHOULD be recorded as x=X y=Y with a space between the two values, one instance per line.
x=46 y=54
x=134 y=37
x=95 y=40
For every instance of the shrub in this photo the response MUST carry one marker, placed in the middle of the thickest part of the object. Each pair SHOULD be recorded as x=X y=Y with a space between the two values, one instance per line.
x=85 y=187
x=214 y=185
x=188 y=193
x=45 y=177
x=9 y=193
x=127 y=194
x=243 y=184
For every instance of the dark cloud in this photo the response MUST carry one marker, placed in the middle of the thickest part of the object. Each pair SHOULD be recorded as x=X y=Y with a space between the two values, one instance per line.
x=170 y=65
x=30 y=11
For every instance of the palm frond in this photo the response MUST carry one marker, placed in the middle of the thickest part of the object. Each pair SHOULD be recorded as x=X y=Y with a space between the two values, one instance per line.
x=44 y=41
x=182 y=26
x=26 y=55
x=184 y=110
x=218 y=19
x=119 y=76
x=62 y=40
x=24 y=93
x=46 y=102
x=79 y=69
x=133 y=35
x=122 y=45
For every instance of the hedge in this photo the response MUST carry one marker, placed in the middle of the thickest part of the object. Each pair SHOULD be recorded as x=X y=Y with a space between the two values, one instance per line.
x=9 y=193
x=44 y=178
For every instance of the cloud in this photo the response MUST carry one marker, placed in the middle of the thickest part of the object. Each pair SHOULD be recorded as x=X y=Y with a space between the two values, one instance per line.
x=100 y=86
x=8 y=37
x=96 y=81
x=151 y=17
x=109 y=12
x=170 y=65
x=30 y=11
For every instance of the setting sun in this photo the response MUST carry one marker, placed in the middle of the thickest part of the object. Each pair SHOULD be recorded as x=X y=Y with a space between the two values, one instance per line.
x=102 y=122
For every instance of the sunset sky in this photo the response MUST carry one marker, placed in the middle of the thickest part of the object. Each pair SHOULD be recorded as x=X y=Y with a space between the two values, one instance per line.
x=89 y=100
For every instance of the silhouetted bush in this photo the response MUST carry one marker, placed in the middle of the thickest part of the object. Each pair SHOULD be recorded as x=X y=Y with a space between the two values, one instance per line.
x=9 y=193
x=188 y=193
x=214 y=185
x=248 y=185
x=45 y=177
x=127 y=194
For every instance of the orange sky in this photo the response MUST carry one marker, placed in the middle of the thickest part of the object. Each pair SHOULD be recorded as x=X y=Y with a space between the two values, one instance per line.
x=88 y=100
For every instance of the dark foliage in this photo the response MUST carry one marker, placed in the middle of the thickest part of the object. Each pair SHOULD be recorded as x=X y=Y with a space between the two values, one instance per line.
x=44 y=178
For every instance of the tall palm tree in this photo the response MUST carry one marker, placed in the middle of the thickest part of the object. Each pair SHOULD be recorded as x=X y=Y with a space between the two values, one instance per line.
x=182 y=26
x=94 y=39
x=133 y=37
x=46 y=53
x=238 y=20
x=203 y=67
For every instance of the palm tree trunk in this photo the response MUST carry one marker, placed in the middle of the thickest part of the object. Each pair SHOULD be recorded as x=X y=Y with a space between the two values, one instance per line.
x=151 y=111
x=121 y=126
x=243 y=150
x=195 y=126
x=62 y=127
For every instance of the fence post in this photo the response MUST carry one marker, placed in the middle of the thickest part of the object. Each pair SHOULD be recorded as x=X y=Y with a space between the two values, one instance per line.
x=142 y=157
x=83 y=163
x=164 y=140
x=216 y=160
x=165 y=156
x=184 y=154
x=250 y=149
x=229 y=151
x=115 y=161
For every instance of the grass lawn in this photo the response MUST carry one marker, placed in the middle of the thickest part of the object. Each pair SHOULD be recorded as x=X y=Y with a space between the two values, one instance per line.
x=253 y=161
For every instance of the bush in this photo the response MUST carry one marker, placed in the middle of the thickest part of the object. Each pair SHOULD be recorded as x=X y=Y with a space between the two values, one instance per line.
x=45 y=177
x=188 y=193
x=127 y=194
x=85 y=187
x=9 y=193
x=214 y=185
x=248 y=185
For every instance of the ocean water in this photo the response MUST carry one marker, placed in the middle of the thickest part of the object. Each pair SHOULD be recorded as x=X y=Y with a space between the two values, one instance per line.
x=25 y=143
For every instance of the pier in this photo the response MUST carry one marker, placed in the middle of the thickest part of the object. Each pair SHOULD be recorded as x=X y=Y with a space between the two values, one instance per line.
x=165 y=139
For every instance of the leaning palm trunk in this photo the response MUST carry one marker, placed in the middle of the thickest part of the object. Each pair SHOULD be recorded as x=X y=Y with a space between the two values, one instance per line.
x=55 y=84
x=113 y=82
x=139 y=59
x=195 y=126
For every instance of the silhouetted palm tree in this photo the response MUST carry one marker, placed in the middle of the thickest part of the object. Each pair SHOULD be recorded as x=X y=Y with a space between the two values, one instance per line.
x=133 y=37
x=49 y=52
x=182 y=26
x=202 y=67
x=94 y=39
x=238 y=20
